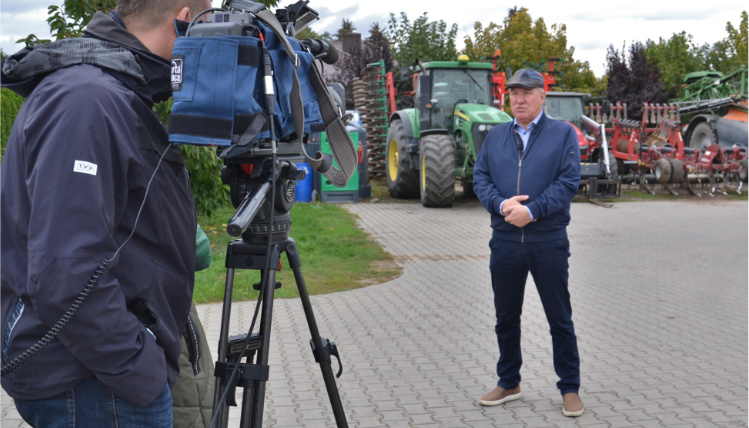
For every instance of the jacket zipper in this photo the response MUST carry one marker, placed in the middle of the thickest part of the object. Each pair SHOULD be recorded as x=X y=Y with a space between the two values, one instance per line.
x=520 y=167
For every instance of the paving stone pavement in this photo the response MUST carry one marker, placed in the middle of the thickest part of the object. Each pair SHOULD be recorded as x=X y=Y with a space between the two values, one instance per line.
x=659 y=294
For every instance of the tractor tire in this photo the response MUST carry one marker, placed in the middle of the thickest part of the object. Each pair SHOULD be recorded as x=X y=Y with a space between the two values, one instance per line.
x=437 y=171
x=703 y=136
x=743 y=170
x=677 y=171
x=662 y=171
x=402 y=180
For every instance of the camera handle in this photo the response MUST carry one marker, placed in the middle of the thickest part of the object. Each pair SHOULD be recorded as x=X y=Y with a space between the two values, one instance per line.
x=252 y=377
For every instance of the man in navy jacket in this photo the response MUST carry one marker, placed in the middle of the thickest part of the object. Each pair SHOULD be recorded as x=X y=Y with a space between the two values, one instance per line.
x=89 y=175
x=526 y=175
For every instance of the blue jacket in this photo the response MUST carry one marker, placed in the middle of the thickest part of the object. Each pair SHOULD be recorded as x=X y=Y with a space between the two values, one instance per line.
x=549 y=173
x=78 y=161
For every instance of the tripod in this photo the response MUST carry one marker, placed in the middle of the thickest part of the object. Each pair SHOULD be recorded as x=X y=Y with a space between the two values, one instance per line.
x=243 y=254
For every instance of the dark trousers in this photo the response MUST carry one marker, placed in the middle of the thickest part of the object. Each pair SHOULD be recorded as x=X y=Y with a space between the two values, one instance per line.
x=548 y=263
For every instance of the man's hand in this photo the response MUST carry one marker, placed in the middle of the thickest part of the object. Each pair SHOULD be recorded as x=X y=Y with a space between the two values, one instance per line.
x=515 y=213
x=511 y=203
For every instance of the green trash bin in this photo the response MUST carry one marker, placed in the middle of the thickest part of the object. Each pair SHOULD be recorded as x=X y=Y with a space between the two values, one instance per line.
x=328 y=191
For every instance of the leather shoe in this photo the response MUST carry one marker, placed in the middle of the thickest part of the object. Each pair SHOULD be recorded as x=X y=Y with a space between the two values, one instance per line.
x=500 y=396
x=572 y=406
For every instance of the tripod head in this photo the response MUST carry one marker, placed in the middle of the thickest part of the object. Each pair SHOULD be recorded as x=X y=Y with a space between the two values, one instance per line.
x=250 y=185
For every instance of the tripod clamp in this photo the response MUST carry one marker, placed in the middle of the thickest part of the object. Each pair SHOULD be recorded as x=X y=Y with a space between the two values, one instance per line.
x=323 y=354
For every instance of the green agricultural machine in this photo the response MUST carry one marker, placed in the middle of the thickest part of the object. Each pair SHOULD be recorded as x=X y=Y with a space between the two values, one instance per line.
x=431 y=145
x=713 y=109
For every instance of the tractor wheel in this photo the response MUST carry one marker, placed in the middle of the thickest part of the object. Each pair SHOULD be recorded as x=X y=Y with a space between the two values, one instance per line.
x=703 y=136
x=677 y=171
x=662 y=171
x=403 y=181
x=743 y=170
x=437 y=171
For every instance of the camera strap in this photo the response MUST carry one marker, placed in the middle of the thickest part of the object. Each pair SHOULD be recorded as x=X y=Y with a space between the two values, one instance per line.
x=341 y=144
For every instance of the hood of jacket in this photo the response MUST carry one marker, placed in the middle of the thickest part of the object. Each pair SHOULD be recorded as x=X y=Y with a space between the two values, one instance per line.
x=106 y=44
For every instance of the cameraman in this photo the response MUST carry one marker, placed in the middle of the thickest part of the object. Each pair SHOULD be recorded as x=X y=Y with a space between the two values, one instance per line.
x=77 y=168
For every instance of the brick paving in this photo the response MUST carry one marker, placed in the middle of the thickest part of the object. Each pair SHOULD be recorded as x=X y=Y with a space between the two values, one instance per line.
x=659 y=294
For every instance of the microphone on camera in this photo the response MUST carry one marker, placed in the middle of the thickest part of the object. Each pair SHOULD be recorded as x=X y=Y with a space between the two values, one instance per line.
x=321 y=50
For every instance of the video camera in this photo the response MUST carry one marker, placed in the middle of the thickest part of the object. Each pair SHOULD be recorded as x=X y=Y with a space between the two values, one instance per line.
x=243 y=83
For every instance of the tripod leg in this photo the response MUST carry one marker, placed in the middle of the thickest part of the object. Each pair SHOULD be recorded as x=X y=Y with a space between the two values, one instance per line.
x=219 y=407
x=327 y=371
x=258 y=392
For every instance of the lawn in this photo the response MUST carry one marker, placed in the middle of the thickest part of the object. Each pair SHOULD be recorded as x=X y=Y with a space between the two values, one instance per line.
x=336 y=256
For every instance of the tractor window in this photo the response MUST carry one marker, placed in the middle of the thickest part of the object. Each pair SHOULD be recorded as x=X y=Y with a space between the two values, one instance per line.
x=466 y=85
x=564 y=108
x=453 y=86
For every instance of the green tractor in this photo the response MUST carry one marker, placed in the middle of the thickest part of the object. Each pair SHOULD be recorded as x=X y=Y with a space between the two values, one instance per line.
x=430 y=145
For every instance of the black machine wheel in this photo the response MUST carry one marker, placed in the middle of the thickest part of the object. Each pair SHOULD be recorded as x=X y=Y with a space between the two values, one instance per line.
x=703 y=136
x=437 y=171
x=743 y=170
x=403 y=181
x=677 y=171
x=662 y=171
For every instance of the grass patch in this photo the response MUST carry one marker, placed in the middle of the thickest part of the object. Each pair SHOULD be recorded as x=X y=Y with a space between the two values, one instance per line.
x=336 y=256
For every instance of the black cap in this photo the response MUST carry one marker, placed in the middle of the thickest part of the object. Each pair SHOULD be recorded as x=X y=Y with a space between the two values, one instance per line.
x=526 y=78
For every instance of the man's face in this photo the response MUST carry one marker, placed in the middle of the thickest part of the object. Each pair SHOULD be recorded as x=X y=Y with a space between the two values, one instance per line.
x=526 y=104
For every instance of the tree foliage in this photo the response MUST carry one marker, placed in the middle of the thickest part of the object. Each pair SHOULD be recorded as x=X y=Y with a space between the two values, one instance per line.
x=676 y=57
x=418 y=40
x=374 y=48
x=729 y=54
x=634 y=79
x=347 y=27
x=421 y=39
x=70 y=19
x=10 y=104
x=528 y=44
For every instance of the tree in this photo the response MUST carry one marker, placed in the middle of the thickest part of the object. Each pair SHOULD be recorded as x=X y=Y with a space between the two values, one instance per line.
x=373 y=49
x=730 y=53
x=634 y=80
x=347 y=27
x=69 y=19
x=528 y=44
x=309 y=33
x=420 y=40
x=676 y=57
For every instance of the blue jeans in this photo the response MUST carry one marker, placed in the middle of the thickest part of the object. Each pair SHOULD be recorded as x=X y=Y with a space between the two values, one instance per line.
x=90 y=404
x=547 y=262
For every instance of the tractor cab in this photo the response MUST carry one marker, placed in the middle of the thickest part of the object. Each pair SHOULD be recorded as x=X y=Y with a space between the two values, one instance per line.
x=566 y=106
x=443 y=86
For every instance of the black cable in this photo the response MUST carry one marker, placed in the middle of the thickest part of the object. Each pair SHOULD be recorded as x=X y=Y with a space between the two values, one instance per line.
x=87 y=289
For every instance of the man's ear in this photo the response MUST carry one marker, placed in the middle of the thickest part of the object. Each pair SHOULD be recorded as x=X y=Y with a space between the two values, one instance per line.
x=184 y=14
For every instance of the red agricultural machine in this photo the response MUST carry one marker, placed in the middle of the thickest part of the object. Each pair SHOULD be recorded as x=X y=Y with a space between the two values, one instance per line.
x=652 y=152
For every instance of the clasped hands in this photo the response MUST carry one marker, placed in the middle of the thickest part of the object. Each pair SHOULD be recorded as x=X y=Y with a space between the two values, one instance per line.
x=516 y=213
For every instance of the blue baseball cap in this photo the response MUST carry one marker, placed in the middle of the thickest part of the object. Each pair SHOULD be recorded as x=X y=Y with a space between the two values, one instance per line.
x=526 y=78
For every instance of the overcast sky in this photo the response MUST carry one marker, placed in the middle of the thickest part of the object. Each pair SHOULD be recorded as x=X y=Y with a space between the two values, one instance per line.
x=592 y=26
